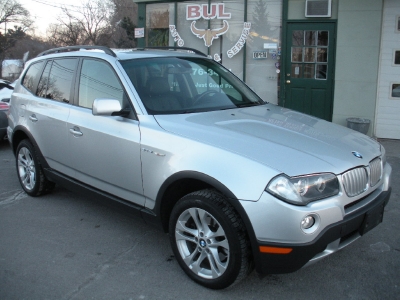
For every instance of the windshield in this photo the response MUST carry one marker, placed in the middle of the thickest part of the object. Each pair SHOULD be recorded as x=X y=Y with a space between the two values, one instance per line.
x=177 y=85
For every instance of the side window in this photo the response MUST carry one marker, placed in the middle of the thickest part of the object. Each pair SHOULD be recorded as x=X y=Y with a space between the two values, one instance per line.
x=98 y=80
x=60 y=81
x=31 y=76
x=42 y=86
x=56 y=80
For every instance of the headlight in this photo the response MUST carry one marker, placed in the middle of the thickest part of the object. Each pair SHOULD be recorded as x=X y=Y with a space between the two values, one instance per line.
x=301 y=190
x=383 y=158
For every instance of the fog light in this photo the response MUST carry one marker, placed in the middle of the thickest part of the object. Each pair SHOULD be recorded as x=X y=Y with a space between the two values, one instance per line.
x=307 y=222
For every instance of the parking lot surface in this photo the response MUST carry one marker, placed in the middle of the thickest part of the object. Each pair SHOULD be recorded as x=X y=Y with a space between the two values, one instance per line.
x=66 y=246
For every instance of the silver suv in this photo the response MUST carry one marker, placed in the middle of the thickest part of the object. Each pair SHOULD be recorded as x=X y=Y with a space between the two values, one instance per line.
x=237 y=182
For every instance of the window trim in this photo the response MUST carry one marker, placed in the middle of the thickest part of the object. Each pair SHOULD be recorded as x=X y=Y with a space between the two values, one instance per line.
x=391 y=89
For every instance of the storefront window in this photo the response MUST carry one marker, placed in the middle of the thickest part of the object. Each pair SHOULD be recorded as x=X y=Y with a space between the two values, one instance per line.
x=263 y=74
x=158 y=18
x=218 y=29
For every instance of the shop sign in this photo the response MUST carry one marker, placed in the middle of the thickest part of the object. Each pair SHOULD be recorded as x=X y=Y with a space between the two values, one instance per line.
x=139 y=32
x=208 y=35
x=196 y=11
x=176 y=36
x=260 y=54
x=211 y=11
x=242 y=40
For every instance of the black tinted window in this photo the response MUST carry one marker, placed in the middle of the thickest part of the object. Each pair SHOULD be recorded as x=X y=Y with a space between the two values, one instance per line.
x=32 y=75
x=57 y=79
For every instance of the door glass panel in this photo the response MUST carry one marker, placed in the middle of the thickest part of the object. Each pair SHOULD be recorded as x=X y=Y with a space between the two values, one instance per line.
x=61 y=75
x=322 y=54
x=309 y=38
x=323 y=38
x=296 y=71
x=98 y=80
x=298 y=38
x=43 y=83
x=309 y=71
x=297 y=54
x=309 y=54
x=321 y=72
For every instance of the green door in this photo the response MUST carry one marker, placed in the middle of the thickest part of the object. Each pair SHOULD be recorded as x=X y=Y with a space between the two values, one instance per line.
x=309 y=68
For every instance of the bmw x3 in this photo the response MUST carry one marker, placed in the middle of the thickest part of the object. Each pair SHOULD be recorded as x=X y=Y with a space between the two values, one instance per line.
x=237 y=182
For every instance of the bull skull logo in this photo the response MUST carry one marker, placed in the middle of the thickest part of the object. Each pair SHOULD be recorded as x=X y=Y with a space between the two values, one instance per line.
x=208 y=35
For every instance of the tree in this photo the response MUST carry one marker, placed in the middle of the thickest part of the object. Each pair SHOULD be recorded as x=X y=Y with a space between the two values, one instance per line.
x=123 y=35
x=14 y=15
x=261 y=30
x=88 y=25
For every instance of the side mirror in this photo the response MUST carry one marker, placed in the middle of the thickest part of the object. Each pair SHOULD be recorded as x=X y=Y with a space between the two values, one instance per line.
x=108 y=107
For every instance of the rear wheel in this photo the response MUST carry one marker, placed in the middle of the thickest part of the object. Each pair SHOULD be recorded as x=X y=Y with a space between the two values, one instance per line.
x=209 y=240
x=30 y=172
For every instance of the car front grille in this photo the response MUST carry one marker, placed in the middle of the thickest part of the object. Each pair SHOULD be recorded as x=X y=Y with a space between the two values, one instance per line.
x=356 y=181
x=376 y=171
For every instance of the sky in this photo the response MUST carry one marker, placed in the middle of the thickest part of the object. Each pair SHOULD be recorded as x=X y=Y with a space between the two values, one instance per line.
x=44 y=12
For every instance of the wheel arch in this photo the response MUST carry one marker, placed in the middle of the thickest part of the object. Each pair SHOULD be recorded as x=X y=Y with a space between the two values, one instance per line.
x=185 y=182
x=20 y=133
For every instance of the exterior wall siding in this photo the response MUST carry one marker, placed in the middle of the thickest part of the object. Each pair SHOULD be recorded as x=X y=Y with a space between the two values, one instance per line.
x=388 y=108
x=357 y=60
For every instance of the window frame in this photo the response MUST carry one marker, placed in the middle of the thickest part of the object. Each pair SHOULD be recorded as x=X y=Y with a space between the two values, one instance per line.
x=391 y=90
x=394 y=58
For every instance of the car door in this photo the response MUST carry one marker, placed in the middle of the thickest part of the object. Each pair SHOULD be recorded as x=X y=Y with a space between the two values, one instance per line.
x=105 y=150
x=48 y=111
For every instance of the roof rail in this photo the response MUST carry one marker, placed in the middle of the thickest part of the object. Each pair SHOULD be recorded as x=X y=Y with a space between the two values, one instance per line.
x=177 y=48
x=77 y=48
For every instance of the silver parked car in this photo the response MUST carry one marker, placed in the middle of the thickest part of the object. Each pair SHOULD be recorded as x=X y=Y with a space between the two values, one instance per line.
x=238 y=183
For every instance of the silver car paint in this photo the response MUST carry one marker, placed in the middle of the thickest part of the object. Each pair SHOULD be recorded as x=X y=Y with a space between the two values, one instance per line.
x=269 y=225
x=274 y=137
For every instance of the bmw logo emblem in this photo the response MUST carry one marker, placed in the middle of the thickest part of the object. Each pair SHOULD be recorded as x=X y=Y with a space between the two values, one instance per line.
x=202 y=243
x=357 y=154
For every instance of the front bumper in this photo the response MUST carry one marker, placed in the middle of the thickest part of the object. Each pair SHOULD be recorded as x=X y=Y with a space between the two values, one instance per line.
x=332 y=238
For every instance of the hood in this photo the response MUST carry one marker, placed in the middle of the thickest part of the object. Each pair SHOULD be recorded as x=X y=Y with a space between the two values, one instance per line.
x=287 y=141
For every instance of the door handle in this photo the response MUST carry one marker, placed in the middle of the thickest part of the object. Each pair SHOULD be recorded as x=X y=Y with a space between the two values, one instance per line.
x=33 y=118
x=288 y=81
x=76 y=132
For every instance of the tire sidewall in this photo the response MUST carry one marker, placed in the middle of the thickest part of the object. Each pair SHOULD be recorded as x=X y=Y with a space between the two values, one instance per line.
x=234 y=265
x=29 y=146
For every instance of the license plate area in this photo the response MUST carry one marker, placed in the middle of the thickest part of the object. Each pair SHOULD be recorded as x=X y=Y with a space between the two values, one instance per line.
x=372 y=219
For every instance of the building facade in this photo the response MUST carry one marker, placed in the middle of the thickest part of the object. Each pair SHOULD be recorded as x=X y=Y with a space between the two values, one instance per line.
x=327 y=58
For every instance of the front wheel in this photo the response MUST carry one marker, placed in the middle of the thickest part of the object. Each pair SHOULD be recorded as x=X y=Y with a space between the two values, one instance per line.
x=209 y=240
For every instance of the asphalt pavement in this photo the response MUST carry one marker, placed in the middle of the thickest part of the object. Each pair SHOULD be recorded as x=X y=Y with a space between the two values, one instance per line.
x=66 y=246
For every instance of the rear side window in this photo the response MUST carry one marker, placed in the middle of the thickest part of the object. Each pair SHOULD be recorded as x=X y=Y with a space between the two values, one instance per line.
x=32 y=75
x=98 y=80
x=56 y=80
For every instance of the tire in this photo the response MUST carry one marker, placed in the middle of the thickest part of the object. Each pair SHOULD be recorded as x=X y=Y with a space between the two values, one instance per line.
x=209 y=240
x=30 y=172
